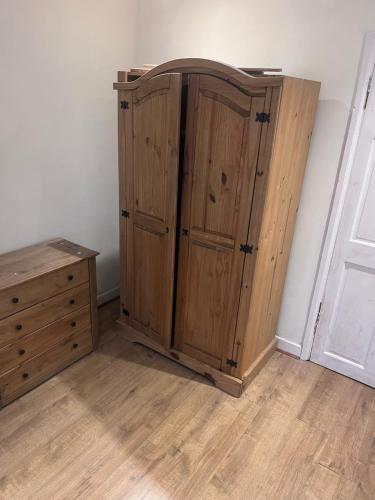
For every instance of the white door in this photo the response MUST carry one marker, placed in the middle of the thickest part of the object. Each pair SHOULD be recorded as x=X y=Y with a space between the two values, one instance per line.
x=345 y=334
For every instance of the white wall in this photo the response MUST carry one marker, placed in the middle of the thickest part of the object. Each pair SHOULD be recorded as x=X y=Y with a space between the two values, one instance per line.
x=318 y=39
x=58 y=136
x=58 y=131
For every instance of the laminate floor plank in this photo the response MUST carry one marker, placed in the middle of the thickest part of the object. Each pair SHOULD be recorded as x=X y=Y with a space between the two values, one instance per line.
x=127 y=423
x=130 y=431
x=159 y=446
x=349 y=423
x=270 y=435
x=80 y=377
x=72 y=405
x=108 y=414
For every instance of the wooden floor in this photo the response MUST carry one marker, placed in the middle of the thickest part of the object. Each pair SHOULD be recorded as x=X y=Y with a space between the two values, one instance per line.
x=127 y=423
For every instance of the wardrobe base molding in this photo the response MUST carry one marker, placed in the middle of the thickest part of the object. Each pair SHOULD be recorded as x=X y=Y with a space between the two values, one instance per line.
x=231 y=385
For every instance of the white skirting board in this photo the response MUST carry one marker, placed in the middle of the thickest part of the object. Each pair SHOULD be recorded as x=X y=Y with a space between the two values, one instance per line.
x=288 y=346
x=108 y=295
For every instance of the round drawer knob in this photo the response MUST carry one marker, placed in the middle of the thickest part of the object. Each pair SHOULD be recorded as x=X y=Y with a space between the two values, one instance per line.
x=21 y=352
x=15 y=300
x=70 y=277
x=72 y=301
x=75 y=346
x=25 y=376
x=19 y=327
x=73 y=324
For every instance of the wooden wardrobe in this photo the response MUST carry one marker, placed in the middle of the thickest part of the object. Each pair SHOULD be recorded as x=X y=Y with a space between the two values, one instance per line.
x=211 y=163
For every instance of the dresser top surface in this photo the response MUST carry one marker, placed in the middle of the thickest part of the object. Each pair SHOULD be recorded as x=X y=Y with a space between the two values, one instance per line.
x=30 y=262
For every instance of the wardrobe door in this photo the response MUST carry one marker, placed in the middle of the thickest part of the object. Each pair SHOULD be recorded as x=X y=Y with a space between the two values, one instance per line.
x=149 y=131
x=222 y=141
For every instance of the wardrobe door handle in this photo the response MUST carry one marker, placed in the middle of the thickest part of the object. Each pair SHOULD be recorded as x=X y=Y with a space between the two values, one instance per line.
x=21 y=352
x=75 y=346
x=70 y=277
x=73 y=324
x=72 y=301
x=19 y=327
x=15 y=300
x=25 y=376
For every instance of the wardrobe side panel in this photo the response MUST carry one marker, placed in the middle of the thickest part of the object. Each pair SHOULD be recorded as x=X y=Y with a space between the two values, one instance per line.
x=289 y=156
x=271 y=107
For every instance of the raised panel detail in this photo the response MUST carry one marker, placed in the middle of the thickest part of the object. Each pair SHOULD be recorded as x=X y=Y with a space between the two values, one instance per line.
x=353 y=322
x=366 y=220
x=149 y=262
x=218 y=153
x=207 y=314
x=150 y=155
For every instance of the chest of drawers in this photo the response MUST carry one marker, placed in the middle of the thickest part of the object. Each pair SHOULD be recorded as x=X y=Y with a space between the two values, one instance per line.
x=48 y=313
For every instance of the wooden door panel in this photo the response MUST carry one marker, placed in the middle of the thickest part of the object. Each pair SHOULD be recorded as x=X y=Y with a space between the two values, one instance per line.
x=222 y=140
x=220 y=91
x=150 y=122
x=215 y=196
x=150 y=156
x=215 y=201
x=208 y=298
x=148 y=285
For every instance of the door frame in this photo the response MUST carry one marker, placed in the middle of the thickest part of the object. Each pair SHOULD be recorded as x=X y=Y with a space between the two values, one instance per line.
x=365 y=71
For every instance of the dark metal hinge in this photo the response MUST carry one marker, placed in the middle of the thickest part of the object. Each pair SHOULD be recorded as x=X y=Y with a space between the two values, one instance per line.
x=246 y=248
x=262 y=117
x=231 y=362
x=124 y=104
x=126 y=312
x=125 y=214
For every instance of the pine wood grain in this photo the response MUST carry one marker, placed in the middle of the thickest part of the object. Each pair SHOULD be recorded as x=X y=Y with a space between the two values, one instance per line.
x=47 y=313
x=40 y=340
x=287 y=165
x=24 y=377
x=125 y=422
x=25 y=322
x=206 y=66
x=19 y=297
x=149 y=134
x=245 y=139
x=30 y=262
x=221 y=155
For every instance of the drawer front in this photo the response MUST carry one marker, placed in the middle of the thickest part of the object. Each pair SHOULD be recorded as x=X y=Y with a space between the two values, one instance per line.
x=31 y=292
x=41 y=340
x=22 y=323
x=16 y=382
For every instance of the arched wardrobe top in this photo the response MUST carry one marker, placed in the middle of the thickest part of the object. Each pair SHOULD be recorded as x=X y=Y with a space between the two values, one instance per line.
x=248 y=79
